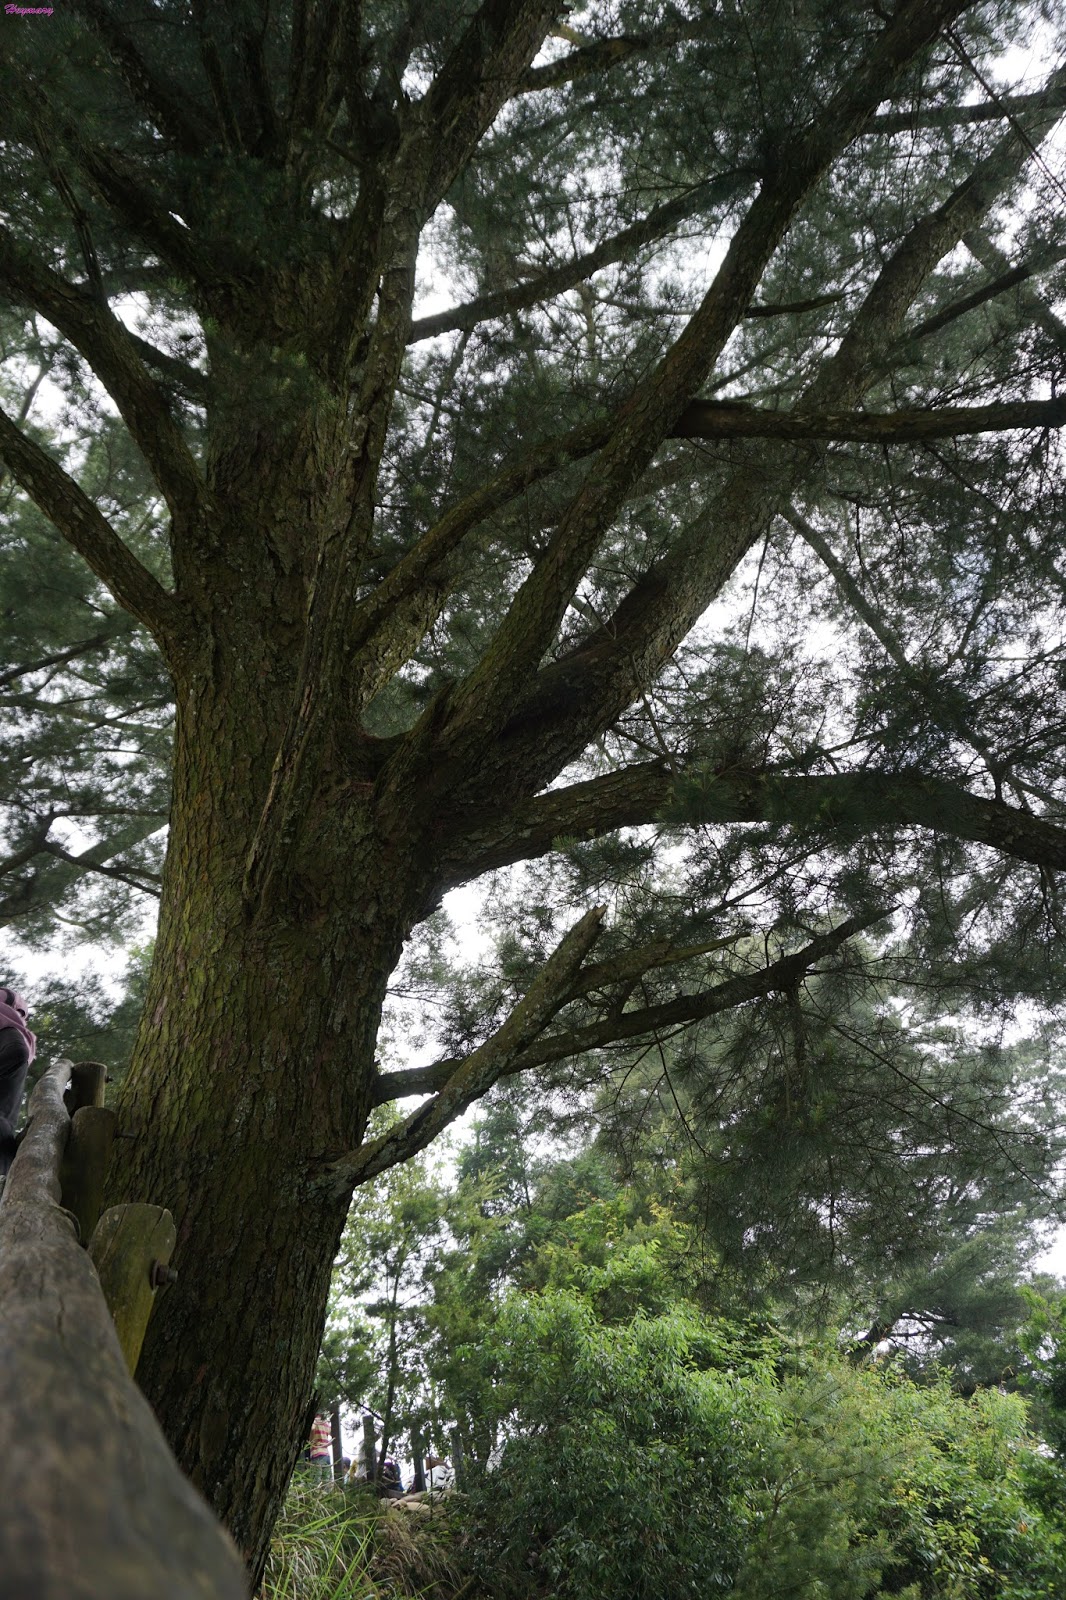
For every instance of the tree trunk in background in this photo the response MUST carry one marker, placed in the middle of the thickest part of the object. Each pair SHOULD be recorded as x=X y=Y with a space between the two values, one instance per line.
x=338 y=1442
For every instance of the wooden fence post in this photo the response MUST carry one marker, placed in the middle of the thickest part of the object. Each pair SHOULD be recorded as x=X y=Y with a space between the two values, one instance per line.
x=338 y=1443
x=131 y=1249
x=86 y=1086
x=83 y=1169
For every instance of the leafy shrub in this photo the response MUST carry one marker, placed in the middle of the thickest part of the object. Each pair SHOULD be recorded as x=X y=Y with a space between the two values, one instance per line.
x=623 y=1472
x=674 y=1455
x=865 y=1479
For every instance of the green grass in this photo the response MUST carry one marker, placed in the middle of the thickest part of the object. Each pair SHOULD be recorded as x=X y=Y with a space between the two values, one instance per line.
x=331 y=1543
x=321 y=1548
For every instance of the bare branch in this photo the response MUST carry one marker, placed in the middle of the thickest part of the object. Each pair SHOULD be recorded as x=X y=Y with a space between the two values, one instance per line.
x=58 y=657
x=39 y=890
x=1006 y=281
x=145 y=882
x=660 y=220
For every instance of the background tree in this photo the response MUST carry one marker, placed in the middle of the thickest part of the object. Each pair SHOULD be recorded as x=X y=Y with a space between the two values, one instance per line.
x=726 y=285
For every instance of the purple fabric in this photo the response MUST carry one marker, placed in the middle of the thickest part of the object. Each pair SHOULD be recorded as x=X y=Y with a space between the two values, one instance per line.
x=14 y=1016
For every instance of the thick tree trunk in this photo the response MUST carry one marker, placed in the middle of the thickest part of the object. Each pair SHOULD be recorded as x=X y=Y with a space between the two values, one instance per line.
x=252 y=1069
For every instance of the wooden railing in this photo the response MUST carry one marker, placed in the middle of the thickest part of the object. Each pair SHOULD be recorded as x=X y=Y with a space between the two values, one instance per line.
x=93 y=1505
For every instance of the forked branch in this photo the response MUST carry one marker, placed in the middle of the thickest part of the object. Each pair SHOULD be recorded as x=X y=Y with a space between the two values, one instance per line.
x=93 y=329
x=472 y=1077
x=779 y=976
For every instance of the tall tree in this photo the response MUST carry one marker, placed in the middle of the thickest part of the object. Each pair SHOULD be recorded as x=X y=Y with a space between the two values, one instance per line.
x=722 y=281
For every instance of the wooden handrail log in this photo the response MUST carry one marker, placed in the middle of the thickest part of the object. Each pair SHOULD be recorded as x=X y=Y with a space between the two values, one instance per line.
x=95 y=1506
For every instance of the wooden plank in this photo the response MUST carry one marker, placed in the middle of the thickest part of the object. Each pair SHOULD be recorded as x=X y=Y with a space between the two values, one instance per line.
x=128 y=1245
x=83 y=1170
x=94 y=1504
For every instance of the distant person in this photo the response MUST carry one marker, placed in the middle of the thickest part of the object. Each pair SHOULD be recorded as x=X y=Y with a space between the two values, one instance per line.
x=391 y=1481
x=18 y=1046
x=321 y=1446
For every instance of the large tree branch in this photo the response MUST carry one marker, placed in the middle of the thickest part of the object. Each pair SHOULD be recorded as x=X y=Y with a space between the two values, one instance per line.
x=409 y=599
x=193 y=382
x=600 y=55
x=92 y=536
x=471 y=1078
x=480 y=705
x=569 y=702
x=407 y=602
x=853 y=802
x=320 y=59
x=122 y=186
x=998 y=110
x=96 y=332
x=170 y=109
x=711 y=419
x=227 y=111
x=614 y=1029
x=439 y=134
x=493 y=51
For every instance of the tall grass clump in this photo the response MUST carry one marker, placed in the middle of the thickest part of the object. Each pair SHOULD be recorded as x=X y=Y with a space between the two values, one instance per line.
x=322 y=1546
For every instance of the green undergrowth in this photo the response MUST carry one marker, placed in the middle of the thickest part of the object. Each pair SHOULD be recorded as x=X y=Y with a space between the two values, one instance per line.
x=679 y=1457
x=331 y=1543
x=322 y=1547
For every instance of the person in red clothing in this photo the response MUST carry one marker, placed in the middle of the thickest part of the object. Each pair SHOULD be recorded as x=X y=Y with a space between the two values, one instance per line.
x=321 y=1445
x=18 y=1046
